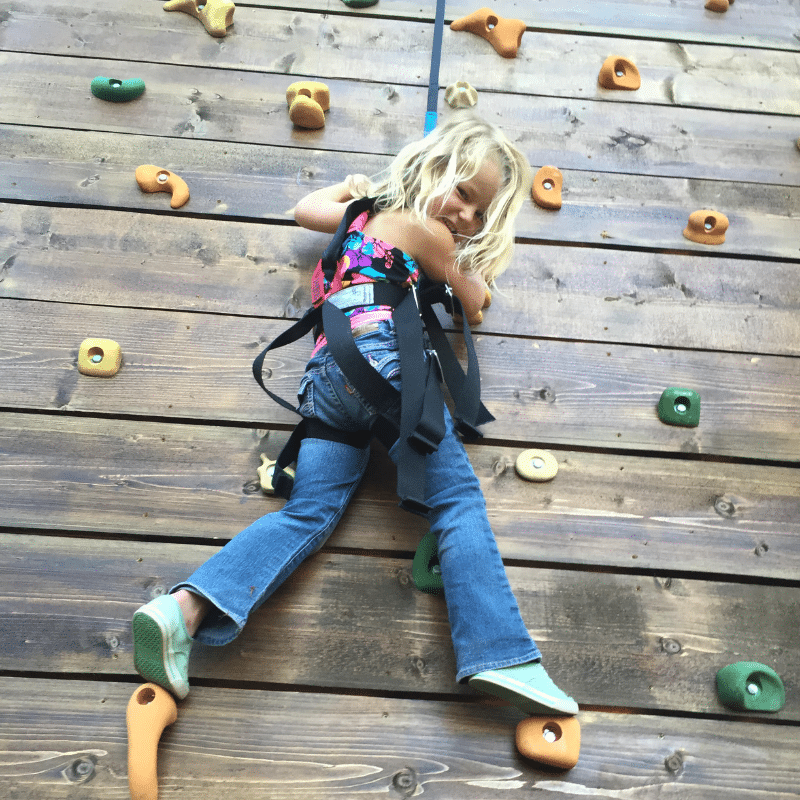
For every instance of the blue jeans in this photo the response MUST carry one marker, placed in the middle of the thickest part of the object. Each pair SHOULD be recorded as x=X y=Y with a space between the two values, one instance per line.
x=485 y=622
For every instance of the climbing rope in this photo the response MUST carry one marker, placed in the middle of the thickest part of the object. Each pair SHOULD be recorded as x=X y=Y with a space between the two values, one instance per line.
x=436 y=57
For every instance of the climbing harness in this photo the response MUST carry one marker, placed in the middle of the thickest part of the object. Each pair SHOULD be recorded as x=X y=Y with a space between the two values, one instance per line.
x=426 y=358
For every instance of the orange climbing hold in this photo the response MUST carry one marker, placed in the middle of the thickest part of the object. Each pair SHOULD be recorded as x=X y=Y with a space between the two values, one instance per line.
x=155 y=179
x=619 y=73
x=546 y=189
x=504 y=35
x=150 y=710
x=551 y=740
x=706 y=227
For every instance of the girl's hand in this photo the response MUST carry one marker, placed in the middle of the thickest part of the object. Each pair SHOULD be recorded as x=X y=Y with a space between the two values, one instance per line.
x=358 y=185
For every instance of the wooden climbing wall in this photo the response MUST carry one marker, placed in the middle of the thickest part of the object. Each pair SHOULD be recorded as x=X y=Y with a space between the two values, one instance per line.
x=658 y=554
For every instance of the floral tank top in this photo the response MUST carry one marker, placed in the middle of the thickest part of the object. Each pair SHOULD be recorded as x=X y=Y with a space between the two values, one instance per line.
x=364 y=260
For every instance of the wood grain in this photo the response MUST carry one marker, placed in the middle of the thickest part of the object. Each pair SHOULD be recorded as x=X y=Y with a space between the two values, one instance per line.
x=352 y=622
x=222 y=266
x=274 y=745
x=198 y=366
x=327 y=46
x=604 y=209
x=199 y=482
x=247 y=107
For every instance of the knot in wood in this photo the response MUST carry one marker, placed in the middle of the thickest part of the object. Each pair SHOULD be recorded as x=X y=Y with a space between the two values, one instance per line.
x=404 y=782
x=547 y=394
x=674 y=763
x=762 y=549
x=499 y=467
x=670 y=646
x=81 y=770
x=251 y=487
x=724 y=507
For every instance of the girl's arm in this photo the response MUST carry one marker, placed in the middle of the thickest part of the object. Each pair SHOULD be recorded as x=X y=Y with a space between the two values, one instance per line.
x=323 y=209
x=438 y=262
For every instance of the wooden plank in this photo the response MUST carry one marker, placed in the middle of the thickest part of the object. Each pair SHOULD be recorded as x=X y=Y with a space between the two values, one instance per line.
x=196 y=103
x=156 y=261
x=198 y=366
x=199 y=482
x=324 y=46
x=263 y=744
x=764 y=23
x=605 y=209
x=356 y=622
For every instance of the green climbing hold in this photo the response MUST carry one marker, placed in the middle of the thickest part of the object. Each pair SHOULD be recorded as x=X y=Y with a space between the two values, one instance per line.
x=679 y=407
x=117 y=91
x=750 y=686
x=425 y=569
x=359 y=3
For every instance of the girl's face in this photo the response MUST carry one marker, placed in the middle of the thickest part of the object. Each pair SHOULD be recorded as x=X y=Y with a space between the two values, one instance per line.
x=464 y=209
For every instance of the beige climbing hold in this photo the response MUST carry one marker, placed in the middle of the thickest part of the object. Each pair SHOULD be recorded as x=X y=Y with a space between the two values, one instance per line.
x=155 y=179
x=150 y=710
x=720 y=6
x=308 y=101
x=505 y=35
x=546 y=189
x=706 y=227
x=216 y=15
x=619 y=73
x=550 y=740
x=101 y=358
x=536 y=465
x=266 y=472
x=460 y=95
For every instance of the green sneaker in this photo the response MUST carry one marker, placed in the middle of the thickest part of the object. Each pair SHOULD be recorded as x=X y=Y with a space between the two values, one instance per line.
x=161 y=645
x=528 y=687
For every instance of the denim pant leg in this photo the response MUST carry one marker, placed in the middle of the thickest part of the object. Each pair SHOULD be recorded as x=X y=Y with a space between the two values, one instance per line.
x=244 y=573
x=485 y=621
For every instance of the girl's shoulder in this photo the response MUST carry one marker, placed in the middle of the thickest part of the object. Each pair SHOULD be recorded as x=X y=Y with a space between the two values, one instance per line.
x=401 y=229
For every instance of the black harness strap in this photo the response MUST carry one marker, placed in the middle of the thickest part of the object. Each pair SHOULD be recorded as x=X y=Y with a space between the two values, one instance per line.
x=420 y=400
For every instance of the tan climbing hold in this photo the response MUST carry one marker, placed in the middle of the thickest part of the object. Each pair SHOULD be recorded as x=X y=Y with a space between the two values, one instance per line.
x=155 y=179
x=706 y=227
x=546 y=189
x=619 y=73
x=460 y=95
x=536 y=465
x=550 y=740
x=720 y=6
x=216 y=15
x=150 y=710
x=266 y=472
x=101 y=358
x=308 y=101
x=505 y=35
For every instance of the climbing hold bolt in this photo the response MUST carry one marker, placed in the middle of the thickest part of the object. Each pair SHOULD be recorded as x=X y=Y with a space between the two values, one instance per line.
x=425 y=570
x=619 y=73
x=750 y=686
x=546 y=189
x=101 y=358
x=150 y=710
x=536 y=465
x=706 y=227
x=460 y=95
x=155 y=179
x=308 y=101
x=678 y=406
x=115 y=90
x=216 y=15
x=505 y=35
x=553 y=741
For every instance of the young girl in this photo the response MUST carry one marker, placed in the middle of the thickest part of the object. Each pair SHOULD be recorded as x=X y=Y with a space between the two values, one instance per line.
x=445 y=209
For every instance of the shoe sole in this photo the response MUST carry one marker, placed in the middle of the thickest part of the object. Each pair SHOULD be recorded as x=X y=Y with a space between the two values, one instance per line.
x=149 y=638
x=519 y=695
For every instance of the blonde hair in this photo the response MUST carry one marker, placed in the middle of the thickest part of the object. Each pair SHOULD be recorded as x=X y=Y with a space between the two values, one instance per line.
x=431 y=168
